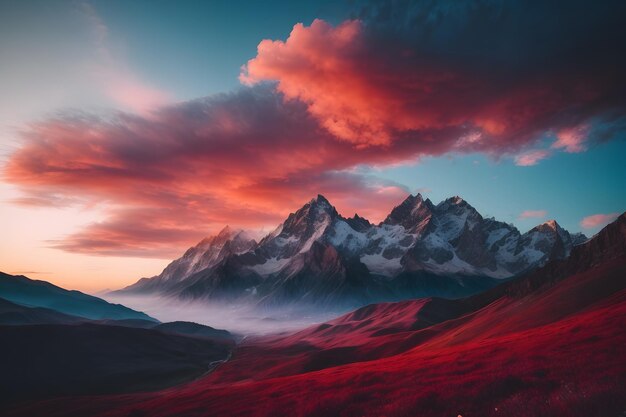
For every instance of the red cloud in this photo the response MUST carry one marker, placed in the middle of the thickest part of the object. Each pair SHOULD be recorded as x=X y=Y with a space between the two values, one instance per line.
x=598 y=220
x=371 y=93
x=245 y=159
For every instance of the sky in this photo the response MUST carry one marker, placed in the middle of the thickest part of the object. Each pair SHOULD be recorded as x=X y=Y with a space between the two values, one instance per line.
x=131 y=130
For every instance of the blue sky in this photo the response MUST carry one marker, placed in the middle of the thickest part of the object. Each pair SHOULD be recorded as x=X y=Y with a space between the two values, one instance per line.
x=199 y=48
x=568 y=186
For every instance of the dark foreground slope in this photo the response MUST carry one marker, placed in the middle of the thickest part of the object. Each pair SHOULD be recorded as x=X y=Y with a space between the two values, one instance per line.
x=550 y=343
x=42 y=361
x=45 y=353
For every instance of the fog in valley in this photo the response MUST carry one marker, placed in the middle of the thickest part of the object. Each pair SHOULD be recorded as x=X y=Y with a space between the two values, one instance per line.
x=242 y=319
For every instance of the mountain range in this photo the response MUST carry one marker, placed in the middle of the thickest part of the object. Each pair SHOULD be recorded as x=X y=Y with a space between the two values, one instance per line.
x=316 y=256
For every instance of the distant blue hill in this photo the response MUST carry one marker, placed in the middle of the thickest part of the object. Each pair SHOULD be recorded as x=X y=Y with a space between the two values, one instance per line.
x=17 y=314
x=34 y=293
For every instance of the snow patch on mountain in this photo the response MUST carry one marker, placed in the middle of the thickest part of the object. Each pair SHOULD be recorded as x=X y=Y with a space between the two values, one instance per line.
x=346 y=237
x=378 y=264
x=270 y=266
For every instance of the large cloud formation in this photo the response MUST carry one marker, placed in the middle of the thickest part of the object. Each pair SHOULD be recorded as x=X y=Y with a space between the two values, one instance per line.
x=245 y=158
x=453 y=65
x=399 y=81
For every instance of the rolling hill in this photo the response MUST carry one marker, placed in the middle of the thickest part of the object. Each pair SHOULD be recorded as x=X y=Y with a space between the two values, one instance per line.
x=21 y=290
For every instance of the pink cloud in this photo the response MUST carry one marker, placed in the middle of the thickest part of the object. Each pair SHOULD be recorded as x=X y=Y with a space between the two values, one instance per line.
x=598 y=220
x=572 y=139
x=532 y=214
x=129 y=92
x=531 y=158
x=188 y=169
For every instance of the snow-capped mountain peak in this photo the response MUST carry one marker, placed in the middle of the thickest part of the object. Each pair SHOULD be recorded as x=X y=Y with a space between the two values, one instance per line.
x=413 y=213
x=450 y=239
x=299 y=231
x=226 y=231
x=321 y=201
x=207 y=253
x=550 y=225
x=358 y=223
x=316 y=210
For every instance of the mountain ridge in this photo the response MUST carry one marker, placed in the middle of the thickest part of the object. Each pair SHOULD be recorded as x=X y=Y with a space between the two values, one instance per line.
x=24 y=291
x=318 y=255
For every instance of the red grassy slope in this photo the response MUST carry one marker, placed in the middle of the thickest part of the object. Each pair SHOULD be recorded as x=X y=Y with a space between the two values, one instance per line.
x=574 y=367
x=549 y=344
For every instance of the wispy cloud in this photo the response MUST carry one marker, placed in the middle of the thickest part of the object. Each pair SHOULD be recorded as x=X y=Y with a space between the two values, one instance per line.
x=598 y=220
x=110 y=70
x=532 y=214
x=531 y=158
x=572 y=139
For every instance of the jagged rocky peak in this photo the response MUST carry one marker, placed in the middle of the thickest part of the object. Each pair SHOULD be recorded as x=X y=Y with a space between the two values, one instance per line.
x=457 y=200
x=548 y=240
x=356 y=217
x=317 y=206
x=222 y=235
x=226 y=232
x=358 y=223
x=454 y=215
x=299 y=230
x=240 y=242
x=321 y=200
x=208 y=252
x=457 y=205
x=411 y=212
x=550 y=225
x=318 y=210
x=551 y=228
x=578 y=238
